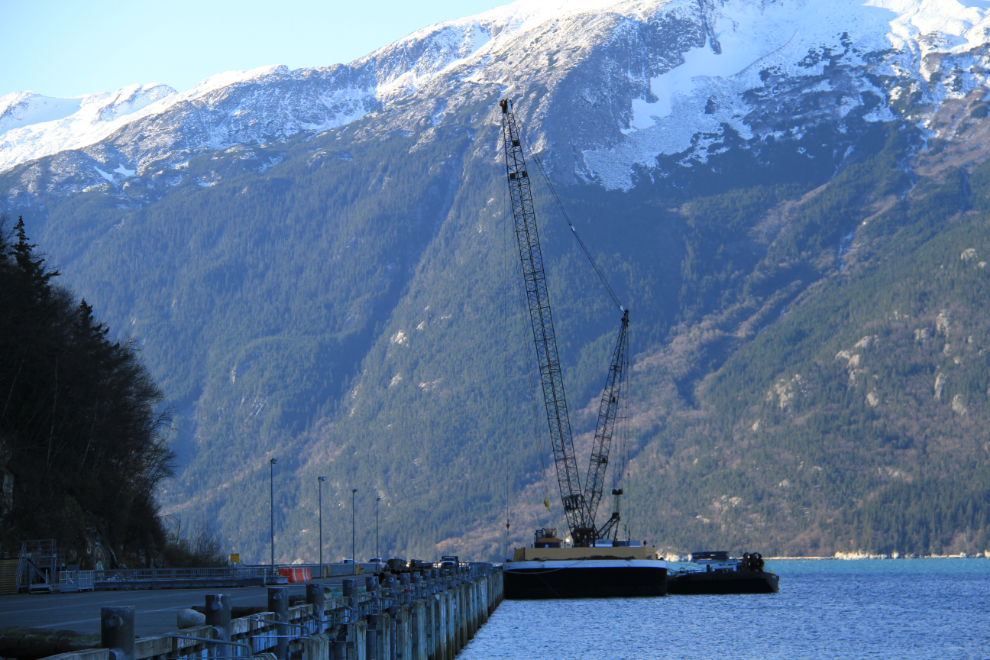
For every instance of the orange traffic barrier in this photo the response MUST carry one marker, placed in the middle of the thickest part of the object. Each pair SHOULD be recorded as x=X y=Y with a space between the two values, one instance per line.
x=296 y=575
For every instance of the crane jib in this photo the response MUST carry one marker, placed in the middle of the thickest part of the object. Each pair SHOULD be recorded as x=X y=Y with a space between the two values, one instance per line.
x=608 y=412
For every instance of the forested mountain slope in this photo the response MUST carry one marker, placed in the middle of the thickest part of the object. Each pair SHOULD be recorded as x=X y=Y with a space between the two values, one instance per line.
x=790 y=198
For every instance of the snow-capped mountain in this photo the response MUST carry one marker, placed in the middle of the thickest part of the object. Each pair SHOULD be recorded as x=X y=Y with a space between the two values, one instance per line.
x=625 y=82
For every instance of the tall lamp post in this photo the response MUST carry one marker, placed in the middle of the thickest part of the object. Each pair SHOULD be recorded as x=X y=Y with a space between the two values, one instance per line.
x=271 y=502
x=319 y=481
x=353 y=555
x=377 y=556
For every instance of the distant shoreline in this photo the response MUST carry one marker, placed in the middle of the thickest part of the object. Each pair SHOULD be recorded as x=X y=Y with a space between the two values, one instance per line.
x=854 y=557
x=859 y=557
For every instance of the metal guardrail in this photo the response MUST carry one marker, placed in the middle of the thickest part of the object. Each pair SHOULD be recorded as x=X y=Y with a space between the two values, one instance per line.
x=71 y=581
x=178 y=578
x=334 y=569
x=171 y=578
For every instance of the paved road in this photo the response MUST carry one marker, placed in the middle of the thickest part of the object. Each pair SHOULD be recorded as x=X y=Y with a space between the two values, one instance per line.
x=155 y=610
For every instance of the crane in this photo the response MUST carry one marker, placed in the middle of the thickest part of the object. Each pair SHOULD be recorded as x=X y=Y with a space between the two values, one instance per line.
x=580 y=505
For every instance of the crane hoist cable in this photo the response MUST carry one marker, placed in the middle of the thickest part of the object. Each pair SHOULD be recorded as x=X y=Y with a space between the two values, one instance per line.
x=574 y=232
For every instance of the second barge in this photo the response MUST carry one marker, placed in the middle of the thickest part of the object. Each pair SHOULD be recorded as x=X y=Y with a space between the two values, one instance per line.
x=723 y=575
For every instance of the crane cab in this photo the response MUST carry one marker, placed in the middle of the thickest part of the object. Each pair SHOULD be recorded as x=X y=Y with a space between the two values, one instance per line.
x=546 y=538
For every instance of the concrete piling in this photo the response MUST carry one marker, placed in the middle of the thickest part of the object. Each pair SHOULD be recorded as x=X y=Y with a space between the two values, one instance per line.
x=349 y=590
x=218 y=617
x=316 y=647
x=117 y=632
x=371 y=587
x=278 y=605
x=392 y=594
x=371 y=637
x=316 y=598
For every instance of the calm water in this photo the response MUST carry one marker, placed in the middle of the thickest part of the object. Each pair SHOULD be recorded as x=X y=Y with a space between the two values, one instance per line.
x=914 y=608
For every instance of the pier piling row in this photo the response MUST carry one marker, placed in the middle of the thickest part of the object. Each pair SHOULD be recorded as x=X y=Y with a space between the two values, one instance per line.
x=426 y=615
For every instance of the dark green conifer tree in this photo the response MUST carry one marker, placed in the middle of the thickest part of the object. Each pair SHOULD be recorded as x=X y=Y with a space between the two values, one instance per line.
x=82 y=428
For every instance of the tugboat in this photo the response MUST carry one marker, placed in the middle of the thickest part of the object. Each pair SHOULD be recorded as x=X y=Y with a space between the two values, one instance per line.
x=610 y=569
x=723 y=575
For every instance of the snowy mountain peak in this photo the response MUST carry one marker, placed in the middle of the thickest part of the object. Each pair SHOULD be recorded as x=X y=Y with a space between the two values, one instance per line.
x=632 y=81
x=25 y=108
x=22 y=109
x=32 y=126
x=228 y=78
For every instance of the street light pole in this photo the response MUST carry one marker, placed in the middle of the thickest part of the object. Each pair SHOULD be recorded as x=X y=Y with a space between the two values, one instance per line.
x=378 y=556
x=271 y=502
x=353 y=555
x=319 y=481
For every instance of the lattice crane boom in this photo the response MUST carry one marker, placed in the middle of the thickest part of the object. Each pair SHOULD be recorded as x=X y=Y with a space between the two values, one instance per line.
x=541 y=318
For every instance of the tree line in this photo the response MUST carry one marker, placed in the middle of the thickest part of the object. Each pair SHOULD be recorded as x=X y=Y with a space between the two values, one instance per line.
x=83 y=430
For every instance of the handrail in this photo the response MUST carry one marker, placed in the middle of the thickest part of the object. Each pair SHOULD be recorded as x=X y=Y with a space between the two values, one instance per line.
x=215 y=641
x=277 y=623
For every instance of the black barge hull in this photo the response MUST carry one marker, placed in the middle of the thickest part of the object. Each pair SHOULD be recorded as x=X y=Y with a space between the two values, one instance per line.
x=570 y=579
x=722 y=583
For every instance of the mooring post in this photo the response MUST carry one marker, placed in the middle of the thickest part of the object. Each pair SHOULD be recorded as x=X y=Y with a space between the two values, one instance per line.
x=416 y=584
x=393 y=622
x=392 y=594
x=429 y=607
x=278 y=604
x=348 y=587
x=391 y=591
x=371 y=586
x=218 y=616
x=117 y=632
x=316 y=598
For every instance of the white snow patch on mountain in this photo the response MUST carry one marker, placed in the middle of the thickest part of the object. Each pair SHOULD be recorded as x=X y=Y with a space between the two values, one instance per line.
x=25 y=108
x=33 y=126
x=106 y=175
x=762 y=35
x=526 y=15
x=228 y=78
x=96 y=116
x=399 y=69
x=923 y=26
x=745 y=38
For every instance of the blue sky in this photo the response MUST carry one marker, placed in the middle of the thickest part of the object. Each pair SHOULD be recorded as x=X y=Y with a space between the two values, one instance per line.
x=75 y=47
